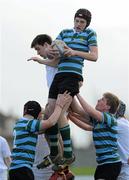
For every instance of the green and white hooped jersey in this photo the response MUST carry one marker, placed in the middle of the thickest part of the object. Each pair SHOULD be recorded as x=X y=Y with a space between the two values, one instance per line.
x=105 y=139
x=80 y=41
x=25 y=139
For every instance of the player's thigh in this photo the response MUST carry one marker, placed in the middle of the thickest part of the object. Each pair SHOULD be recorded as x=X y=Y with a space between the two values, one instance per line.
x=69 y=84
x=50 y=106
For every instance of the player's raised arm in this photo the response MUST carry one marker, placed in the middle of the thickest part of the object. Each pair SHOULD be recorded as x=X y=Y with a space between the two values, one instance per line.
x=49 y=62
x=61 y=101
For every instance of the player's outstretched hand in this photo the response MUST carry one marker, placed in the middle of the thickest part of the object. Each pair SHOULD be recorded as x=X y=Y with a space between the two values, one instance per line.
x=34 y=59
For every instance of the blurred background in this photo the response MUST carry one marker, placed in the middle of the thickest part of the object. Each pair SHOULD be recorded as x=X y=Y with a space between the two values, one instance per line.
x=20 y=81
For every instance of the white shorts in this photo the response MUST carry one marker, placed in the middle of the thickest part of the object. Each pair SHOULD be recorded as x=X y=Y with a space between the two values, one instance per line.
x=50 y=73
x=42 y=174
x=124 y=174
x=3 y=174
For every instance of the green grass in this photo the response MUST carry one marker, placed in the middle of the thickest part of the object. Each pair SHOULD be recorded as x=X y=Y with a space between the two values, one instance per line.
x=83 y=170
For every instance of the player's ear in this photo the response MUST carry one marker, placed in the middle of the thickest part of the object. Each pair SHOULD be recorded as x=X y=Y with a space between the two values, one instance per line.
x=45 y=44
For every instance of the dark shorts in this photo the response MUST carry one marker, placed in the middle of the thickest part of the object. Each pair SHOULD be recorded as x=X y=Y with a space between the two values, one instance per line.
x=63 y=82
x=108 y=171
x=23 y=173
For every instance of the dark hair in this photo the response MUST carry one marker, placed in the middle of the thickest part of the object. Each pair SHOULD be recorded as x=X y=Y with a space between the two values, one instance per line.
x=120 y=110
x=32 y=108
x=85 y=14
x=41 y=39
x=112 y=101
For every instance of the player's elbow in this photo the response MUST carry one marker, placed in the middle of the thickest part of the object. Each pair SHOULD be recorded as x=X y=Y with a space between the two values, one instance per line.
x=95 y=57
x=44 y=125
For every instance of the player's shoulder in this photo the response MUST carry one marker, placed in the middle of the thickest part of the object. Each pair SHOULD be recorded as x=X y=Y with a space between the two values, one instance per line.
x=89 y=30
x=2 y=139
x=67 y=30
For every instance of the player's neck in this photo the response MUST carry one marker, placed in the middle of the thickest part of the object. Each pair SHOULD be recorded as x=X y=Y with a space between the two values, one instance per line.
x=28 y=116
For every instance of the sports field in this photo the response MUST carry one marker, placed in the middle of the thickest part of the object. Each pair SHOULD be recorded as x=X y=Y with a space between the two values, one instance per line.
x=84 y=178
x=83 y=171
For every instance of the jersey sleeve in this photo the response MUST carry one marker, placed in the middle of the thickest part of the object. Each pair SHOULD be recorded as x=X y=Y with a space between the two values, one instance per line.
x=92 y=38
x=5 y=149
x=109 y=119
x=61 y=35
x=33 y=125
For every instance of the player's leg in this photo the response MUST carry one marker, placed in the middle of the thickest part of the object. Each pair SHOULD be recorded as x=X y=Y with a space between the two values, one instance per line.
x=71 y=84
x=52 y=133
x=64 y=128
x=51 y=136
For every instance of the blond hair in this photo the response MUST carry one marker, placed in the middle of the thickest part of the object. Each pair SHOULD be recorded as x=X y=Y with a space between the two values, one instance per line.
x=112 y=101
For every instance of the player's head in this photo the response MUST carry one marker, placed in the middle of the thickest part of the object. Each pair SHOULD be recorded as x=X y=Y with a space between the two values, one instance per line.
x=40 y=44
x=108 y=103
x=112 y=102
x=121 y=110
x=32 y=108
x=41 y=39
x=82 y=19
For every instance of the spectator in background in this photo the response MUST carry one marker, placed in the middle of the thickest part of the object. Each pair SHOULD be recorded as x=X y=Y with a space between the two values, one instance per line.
x=123 y=141
x=5 y=159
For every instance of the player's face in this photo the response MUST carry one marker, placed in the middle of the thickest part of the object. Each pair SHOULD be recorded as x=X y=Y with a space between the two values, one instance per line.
x=41 y=50
x=102 y=105
x=79 y=24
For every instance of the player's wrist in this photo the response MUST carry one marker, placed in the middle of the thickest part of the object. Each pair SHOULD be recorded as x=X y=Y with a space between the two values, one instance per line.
x=74 y=53
x=59 y=105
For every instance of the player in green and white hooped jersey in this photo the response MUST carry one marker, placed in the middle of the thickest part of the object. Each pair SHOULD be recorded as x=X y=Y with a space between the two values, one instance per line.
x=82 y=44
x=103 y=123
x=25 y=137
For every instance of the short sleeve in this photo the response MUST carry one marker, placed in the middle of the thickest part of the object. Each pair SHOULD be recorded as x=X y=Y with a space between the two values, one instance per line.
x=5 y=148
x=92 y=38
x=33 y=125
x=109 y=119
